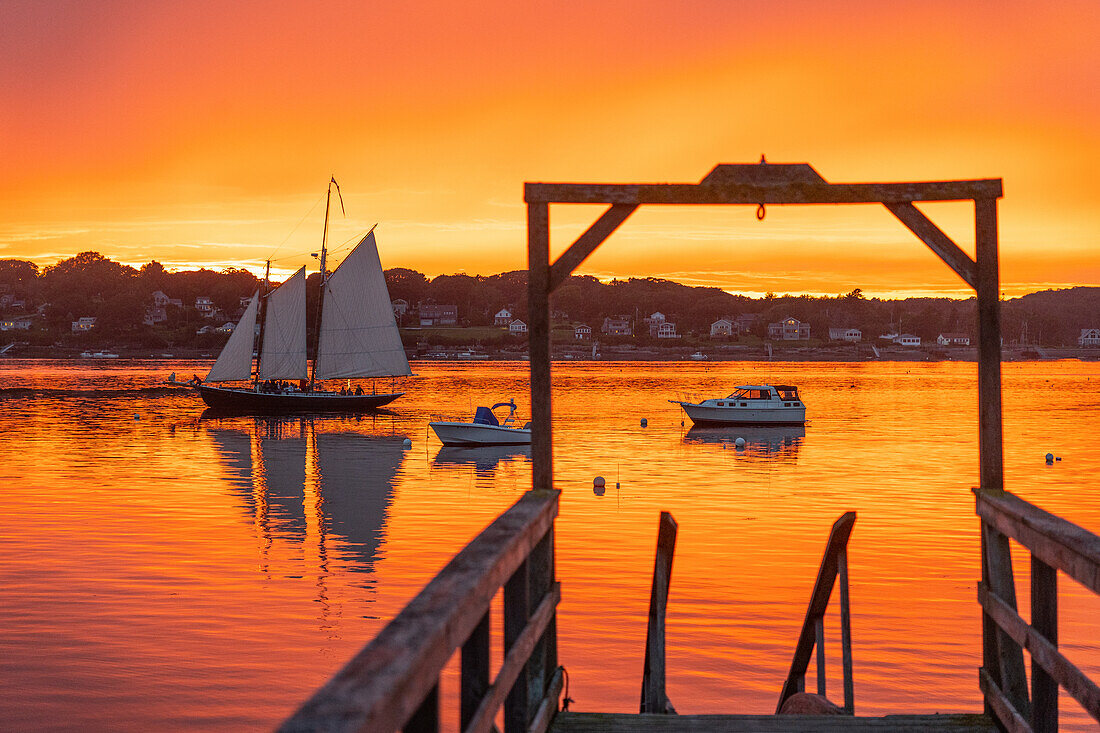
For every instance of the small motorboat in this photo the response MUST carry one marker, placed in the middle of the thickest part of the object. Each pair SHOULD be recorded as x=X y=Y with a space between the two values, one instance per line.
x=485 y=429
x=698 y=356
x=752 y=404
x=98 y=355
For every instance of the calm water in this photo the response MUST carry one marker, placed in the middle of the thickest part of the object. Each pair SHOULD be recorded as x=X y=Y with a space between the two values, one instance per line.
x=170 y=571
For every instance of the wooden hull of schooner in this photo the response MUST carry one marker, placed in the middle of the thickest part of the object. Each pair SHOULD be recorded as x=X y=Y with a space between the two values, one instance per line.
x=248 y=401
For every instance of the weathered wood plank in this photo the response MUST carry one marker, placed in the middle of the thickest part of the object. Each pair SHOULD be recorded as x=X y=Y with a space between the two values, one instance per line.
x=1075 y=682
x=474 y=671
x=819 y=642
x=654 y=697
x=517 y=611
x=619 y=723
x=426 y=717
x=937 y=241
x=511 y=672
x=779 y=193
x=587 y=243
x=538 y=344
x=819 y=602
x=383 y=684
x=1057 y=542
x=1006 y=713
x=1044 y=623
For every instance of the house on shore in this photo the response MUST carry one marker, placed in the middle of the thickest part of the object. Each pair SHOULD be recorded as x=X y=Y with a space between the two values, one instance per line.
x=433 y=314
x=666 y=330
x=582 y=333
x=907 y=339
x=504 y=317
x=789 y=329
x=1089 y=337
x=83 y=324
x=953 y=339
x=17 y=323
x=205 y=306
x=517 y=328
x=845 y=334
x=617 y=326
x=722 y=328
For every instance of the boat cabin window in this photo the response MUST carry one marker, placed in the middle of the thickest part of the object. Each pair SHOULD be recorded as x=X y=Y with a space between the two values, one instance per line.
x=788 y=393
x=751 y=394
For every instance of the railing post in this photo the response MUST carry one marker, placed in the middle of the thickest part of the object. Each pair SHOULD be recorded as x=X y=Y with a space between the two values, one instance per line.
x=426 y=717
x=543 y=661
x=1010 y=656
x=1044 y=619
x=517 y=609
x=819 y=642
x=654 y=694
x=846 y=633
x=474 y=672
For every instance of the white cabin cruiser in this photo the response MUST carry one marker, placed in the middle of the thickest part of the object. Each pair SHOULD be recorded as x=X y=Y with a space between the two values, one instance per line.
x=485 y=429
x=751 y=404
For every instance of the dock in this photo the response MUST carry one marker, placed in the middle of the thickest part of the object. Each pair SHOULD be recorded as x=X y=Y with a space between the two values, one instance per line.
x=392 y=684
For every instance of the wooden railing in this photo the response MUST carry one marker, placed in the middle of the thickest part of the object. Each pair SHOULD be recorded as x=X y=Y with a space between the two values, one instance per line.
x=834 y=563
x=393 y=683
x=1055 y=544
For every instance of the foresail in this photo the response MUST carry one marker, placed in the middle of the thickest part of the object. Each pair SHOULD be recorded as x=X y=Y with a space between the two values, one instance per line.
x=283 y=355
x=235 y=361
x=359 y=336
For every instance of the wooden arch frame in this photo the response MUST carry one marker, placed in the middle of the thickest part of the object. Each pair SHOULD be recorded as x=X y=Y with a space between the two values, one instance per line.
x=756 y=184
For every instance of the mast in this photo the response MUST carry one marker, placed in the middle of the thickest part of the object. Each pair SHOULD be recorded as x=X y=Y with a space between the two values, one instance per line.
x=258 y=343
x=324 y=277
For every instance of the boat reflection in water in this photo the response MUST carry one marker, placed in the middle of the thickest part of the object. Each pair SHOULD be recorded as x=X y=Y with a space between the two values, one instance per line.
x=315 y=481
x=775 y=444
x=484 y=459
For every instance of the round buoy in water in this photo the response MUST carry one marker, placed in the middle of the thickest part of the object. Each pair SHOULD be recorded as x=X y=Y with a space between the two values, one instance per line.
x=137 y=416
x=740 y=443
x=598 y=490
x=1050 y=458
x=407 y=442
x=598 y=482
x=644 y=422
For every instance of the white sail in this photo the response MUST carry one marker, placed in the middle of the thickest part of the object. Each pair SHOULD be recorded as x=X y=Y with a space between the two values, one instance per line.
x=283 y=355
x=359 y=336
x=235 y=361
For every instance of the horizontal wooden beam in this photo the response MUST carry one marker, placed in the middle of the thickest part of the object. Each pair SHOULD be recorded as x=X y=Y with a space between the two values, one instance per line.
x=514 y=661
x=384 y=684
x=1002 y=708
x=1060 y=544
x=1042 y=651
x=788 y=193
x=937 y=241
x=587 y=243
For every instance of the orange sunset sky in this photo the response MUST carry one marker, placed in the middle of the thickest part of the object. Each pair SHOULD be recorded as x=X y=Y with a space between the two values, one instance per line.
x=203 y=133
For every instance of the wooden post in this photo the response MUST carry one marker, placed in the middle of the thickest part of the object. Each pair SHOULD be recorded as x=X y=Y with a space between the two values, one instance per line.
x=990 y=452
x=543 y=660
x=1044 y=619
x=517 y=609
x=846 y=634
x=538 y=343
x=654 y=695
x=474 y=671
x=819 y=642
x=1010 y=656
x=426 y=717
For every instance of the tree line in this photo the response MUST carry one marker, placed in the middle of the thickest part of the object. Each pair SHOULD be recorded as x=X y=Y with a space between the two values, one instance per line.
x=118 y=295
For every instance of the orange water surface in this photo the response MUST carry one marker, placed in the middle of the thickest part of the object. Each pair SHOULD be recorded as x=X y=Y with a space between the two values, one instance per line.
x=164 y=569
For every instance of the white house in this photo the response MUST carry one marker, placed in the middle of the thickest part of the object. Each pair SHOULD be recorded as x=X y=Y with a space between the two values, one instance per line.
x=653 y=322
x=224 y=328
x=667 y=330
x=721 y=327
x=1089 y=337
x=160 y=300
x=789 y=329
x=205 y=306
x=582 y=332
x=907 y=339
x=953 y=339
x=85 y=323
x=617 y=326
x=504 y=317
x=517 y=327
x=845 y=334
x=20 y=323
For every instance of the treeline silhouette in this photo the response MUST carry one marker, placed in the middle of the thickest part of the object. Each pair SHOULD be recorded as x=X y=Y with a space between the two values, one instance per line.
x=117 y=295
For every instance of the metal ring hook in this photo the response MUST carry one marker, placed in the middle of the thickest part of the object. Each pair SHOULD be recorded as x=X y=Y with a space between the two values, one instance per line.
x=760 y=212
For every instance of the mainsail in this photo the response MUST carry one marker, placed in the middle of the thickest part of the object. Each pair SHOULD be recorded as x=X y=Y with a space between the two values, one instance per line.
x=284 y=349
x=359 y=336
x=235 y=361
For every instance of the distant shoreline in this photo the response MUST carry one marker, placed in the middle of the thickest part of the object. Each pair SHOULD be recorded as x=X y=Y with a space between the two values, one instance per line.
x=780 y=353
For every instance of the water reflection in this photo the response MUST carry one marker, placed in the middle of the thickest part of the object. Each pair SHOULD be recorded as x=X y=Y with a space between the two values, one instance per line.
x=312 y=479
x=775 y=444
x=485 y=459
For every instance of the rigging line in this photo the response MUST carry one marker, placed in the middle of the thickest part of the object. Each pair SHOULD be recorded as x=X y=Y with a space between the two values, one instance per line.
x=280 y=245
